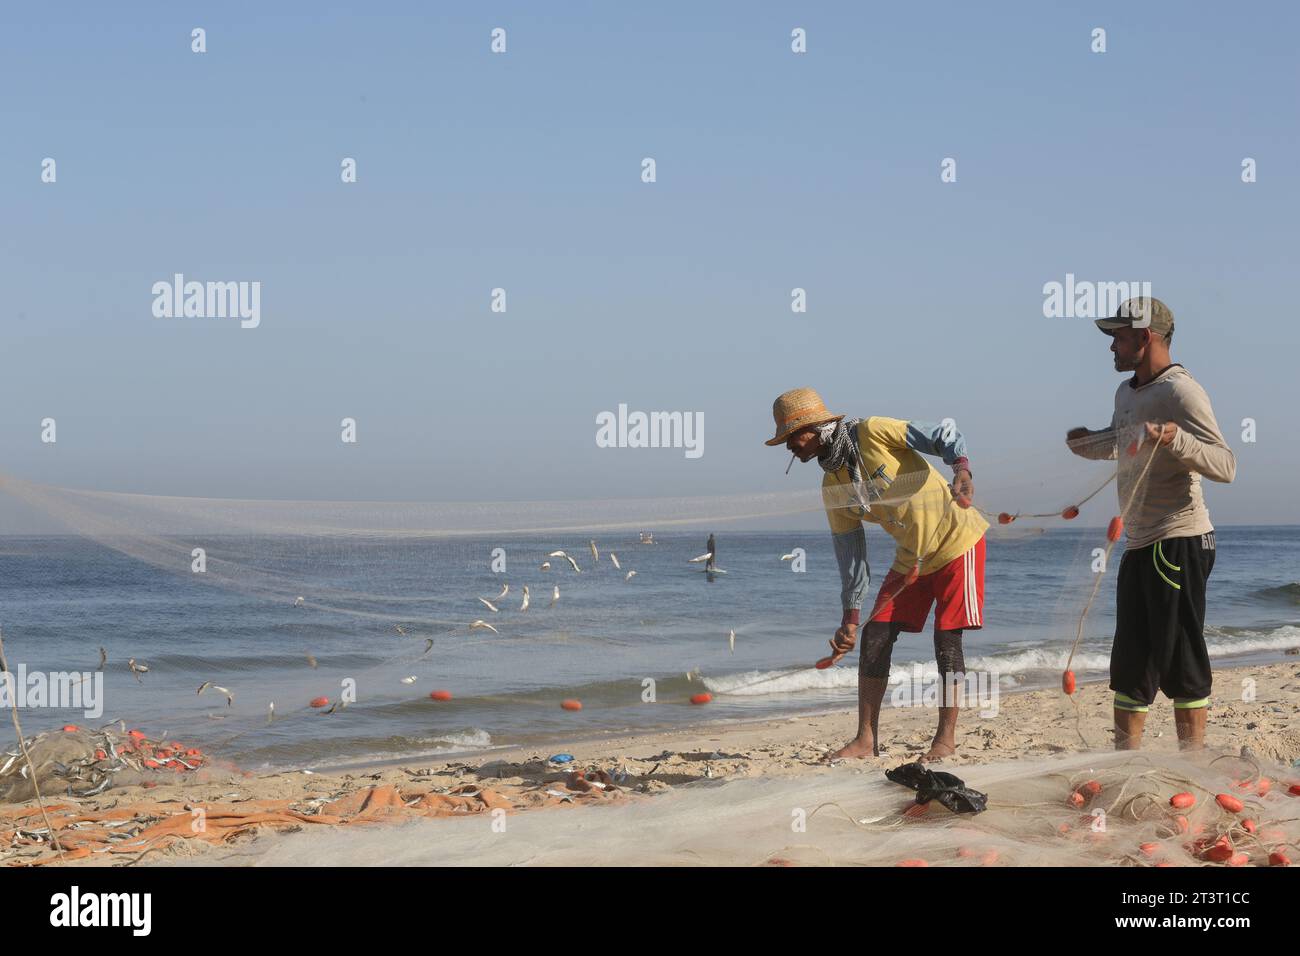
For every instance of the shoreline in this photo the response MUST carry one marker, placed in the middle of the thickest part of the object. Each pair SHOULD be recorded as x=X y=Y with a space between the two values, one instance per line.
x=125 y=823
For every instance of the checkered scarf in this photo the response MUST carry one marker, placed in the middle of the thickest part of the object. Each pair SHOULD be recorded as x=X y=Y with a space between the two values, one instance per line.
x=840 y=450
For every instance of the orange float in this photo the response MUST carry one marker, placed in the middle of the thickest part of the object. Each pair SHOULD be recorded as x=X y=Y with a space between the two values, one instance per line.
x=1228 y=802
x=824 y=663
x=701 y=698
x=1067 y=682
x=70 y=728
x=440 y=695
x=571 y=704
x=1181 y=801
x=1070 y=513
x=320 y=702
x=912 y=863
x=1278 y=858
x=1115 y=530
x=1005 y=518
x=1091 y=788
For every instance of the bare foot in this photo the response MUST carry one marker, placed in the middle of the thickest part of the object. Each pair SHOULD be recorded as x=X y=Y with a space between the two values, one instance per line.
x=855 y=748
x=938 y=751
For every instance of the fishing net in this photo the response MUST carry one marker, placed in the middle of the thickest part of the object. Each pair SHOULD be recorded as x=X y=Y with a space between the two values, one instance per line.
x=389 y=595
x=1109 y=809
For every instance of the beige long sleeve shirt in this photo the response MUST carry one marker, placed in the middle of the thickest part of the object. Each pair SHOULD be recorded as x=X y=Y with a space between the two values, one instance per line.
x=1169 y=502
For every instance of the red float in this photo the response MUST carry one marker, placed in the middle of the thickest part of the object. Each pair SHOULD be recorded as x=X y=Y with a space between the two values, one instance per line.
x=1067 y=682
x=701 y=698
x=1070 y=513
x=320 y=701
x=440 y=695
x=571 y=704
x=1115 y=530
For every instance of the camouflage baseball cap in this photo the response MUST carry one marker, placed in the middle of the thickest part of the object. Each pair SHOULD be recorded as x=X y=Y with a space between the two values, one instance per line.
x=1140 y=313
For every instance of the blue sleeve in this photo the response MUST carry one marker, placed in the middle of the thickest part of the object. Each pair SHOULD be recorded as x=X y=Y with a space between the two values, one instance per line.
x=931 y=439
x=855 y=573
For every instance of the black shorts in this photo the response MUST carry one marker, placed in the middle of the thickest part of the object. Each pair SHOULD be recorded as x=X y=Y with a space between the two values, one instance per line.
x=1160 y=604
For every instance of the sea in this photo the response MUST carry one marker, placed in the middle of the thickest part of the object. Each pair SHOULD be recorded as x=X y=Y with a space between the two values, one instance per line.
x=384 y=623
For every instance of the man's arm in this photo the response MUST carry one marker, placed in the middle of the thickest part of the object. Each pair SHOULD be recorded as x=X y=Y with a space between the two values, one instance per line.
x=1195 y=439
x=851 y=555
x=1097 y=445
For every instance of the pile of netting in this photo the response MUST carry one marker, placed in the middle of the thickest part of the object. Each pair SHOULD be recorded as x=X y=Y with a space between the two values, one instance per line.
x=1112 y=809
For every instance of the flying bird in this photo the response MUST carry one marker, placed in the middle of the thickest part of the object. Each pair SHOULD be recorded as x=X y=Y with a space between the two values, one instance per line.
x=489 y=605
x=524 y=606
x=628 y=576
x=703 y=557
x=400 y=630
x=230 y=698
x=137 y=669
x=409 y=680
x=546 y=565
x=482 y=623
x=574 y=563
x=300 y=601
x=614 y=557
x=787 y=557
x=428 y=645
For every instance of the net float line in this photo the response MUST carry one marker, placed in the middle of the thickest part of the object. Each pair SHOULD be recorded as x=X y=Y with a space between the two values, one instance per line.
x=1069 y=513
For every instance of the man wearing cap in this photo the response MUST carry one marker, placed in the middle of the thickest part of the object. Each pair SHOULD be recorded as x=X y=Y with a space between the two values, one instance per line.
x=874 y=473
x=1160 y=598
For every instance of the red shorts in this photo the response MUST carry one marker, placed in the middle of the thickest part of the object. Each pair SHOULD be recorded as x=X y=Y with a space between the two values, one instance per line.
x=957 y=587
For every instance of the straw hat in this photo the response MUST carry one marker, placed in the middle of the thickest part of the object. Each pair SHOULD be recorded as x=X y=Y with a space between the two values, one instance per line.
x=796 y=409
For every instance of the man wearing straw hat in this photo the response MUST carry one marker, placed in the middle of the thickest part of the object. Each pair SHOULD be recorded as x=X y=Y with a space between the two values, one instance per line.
x=1159 y=641
x=874 y=473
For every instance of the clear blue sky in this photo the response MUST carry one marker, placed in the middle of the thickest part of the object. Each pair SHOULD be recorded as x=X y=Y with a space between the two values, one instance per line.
x=523 y=171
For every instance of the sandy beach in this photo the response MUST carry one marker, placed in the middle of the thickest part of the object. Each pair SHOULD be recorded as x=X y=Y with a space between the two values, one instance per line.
x=1035 y=746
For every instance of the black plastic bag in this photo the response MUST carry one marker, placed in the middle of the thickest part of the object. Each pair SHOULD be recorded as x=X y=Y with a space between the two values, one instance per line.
x=947 y=788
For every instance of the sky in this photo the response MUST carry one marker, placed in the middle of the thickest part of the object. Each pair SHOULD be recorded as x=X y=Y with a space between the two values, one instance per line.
x=522 y=171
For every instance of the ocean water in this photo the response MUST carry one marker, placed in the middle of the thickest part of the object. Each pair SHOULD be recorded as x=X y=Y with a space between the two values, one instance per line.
x=609 y=642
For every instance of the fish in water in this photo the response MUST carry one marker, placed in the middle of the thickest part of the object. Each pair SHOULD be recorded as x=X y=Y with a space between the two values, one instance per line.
x=555 y=595
x=230 y=698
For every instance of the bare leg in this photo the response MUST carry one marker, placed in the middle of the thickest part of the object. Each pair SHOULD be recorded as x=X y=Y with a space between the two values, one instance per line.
x=948 y=655
x=1190 y=725
x=873 y=679
x=1128 y=729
